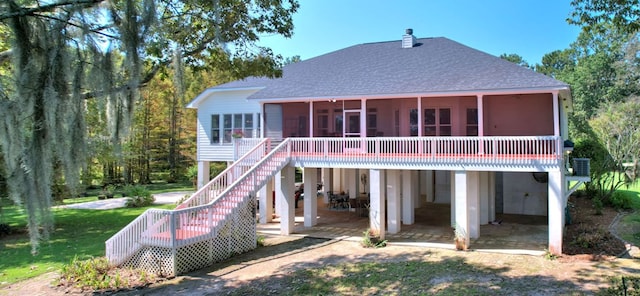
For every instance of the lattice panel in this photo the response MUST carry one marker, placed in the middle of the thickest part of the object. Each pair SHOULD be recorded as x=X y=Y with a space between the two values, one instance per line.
x=236 y=235
x=154 y=260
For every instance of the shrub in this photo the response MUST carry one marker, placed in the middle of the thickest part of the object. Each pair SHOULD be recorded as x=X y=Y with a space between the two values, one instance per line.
x=138 y=196
x=619 y=200
x=597 y=204
x=371 y=240
x=96 y=274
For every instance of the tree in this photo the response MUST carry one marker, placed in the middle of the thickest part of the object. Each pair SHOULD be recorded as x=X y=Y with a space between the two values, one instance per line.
x=66 y=53
x=617 y=128
x=516 y=59
x=623 y=14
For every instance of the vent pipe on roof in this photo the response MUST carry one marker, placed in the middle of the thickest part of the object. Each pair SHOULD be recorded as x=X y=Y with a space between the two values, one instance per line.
x=408 y=40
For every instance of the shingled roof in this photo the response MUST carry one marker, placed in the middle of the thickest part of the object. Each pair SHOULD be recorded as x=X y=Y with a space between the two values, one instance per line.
x=433 y=65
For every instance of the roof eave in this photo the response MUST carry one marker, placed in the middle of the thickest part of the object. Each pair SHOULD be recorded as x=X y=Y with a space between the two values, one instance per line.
x=216 y=90
x=564 y=89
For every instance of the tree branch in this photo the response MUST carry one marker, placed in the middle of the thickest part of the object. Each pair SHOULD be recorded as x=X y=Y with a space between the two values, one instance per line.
x=24 y=11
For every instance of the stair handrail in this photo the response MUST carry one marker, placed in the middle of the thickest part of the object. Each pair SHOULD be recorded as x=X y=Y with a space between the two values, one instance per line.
x=207 y=193
x=128 y=240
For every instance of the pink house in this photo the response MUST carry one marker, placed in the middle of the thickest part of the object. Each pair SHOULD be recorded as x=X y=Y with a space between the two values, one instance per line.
x=406 y=123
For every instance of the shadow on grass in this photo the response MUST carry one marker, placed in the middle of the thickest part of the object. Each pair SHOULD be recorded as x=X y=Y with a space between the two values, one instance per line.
x=415 y=272
x=78 y=233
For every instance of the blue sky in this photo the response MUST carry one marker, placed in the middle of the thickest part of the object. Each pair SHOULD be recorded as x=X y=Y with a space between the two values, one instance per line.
x=525 y=27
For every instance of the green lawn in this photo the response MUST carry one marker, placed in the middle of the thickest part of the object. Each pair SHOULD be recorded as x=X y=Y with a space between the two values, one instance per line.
x=80 y=233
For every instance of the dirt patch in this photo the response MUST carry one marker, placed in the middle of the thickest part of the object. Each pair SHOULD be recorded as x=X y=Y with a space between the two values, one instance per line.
x=587 y=237
x=589 y=261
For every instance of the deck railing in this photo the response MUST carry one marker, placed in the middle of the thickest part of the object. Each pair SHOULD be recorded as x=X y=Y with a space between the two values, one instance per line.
x=242 y=146
x=545 y=149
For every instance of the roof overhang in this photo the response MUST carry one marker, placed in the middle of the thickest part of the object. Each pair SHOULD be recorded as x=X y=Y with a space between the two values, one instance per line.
x=212 y=91
x=563 y=91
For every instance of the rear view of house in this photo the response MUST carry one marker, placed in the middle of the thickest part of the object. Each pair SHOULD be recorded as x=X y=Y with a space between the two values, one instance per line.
x=404 y=123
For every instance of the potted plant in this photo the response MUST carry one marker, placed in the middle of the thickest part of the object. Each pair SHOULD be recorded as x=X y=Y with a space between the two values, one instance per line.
x=237 y=134
x=460 y=238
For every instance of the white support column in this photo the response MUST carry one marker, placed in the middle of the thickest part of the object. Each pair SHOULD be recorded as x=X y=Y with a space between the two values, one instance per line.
x=453 y=198
x=480 y=103
x=337 y=179
x=556 y=212
x=556 y=115
x=480 y=106
x=363 y=118
x=285 y=188
x=327 y=183
x=409 y=194
x=266 y=202
x=393 y=201
x=484 y=198
x=431 y=197
x=352 y=182
x=377 y=217
x=461 y=204
x=310 y=197
x=473 y=203
x=310 y=119
x=492 y=196
x=415 y=189
x=203 y=173
x=420 y=122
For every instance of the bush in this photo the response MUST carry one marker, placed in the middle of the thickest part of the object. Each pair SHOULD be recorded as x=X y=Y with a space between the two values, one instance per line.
x=619 y=200
x=96 y=274
x=138 y=196
x=371 y=240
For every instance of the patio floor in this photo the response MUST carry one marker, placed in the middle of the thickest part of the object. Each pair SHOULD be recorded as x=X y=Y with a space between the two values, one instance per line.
x=521 y=234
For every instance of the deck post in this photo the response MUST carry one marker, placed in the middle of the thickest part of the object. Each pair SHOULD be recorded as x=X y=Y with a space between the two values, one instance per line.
x=556 y=212
x=266 y=202
x=310 y=197
x=285 y=189
x=473 y=203
x=393 y=200
x=461 y=204
x=484 y=198
x=409 y=193
x=327 y=183
x=203 y=173
x=377 y=211
x=430 y=186
x=492 y=196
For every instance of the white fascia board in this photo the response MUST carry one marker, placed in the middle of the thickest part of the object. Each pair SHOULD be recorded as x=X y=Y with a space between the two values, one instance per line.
x=562 y=89
x=210 y=91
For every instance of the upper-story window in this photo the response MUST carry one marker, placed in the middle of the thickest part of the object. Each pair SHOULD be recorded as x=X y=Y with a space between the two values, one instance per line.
x=226 y=126
x=472 y=122
x=437 y=122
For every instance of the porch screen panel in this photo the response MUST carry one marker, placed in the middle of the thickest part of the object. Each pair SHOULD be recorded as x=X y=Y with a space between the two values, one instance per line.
x=445 y=122
x=273 y=121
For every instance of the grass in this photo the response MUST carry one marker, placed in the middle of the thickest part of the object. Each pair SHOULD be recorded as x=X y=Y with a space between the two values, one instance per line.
x=78 y=233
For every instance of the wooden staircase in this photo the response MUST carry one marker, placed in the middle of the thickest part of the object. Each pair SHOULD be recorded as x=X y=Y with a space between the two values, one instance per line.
x=217 y=221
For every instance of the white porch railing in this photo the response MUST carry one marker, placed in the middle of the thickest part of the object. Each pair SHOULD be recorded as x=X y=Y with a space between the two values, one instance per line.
x=466 y=150
x=242 y=146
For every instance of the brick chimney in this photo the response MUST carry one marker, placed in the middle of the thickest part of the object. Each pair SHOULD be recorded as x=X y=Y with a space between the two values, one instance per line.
x=408 y=40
